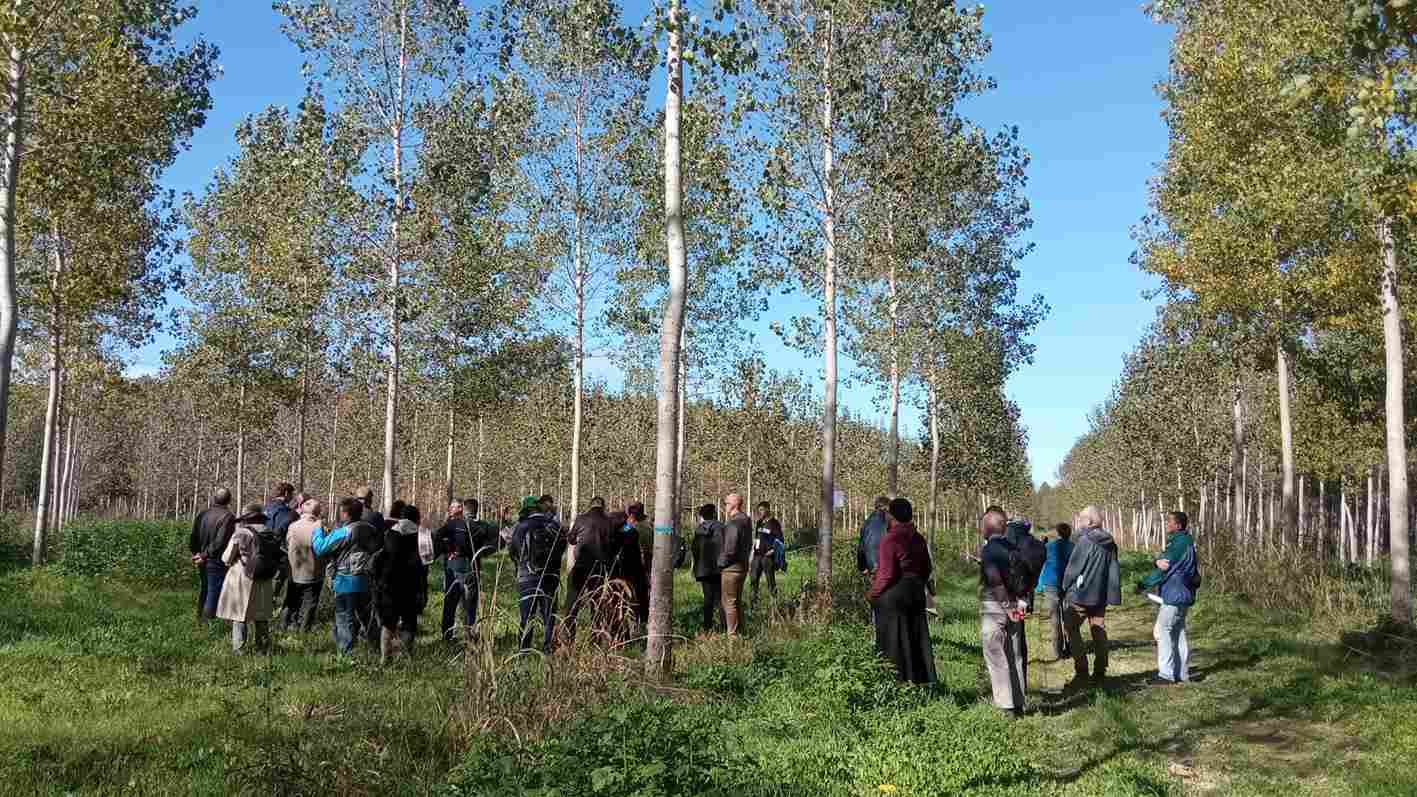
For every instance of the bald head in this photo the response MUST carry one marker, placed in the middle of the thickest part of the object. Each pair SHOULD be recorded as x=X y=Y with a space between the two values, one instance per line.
x=993 y=523
x=1091 y=517
x=221 y=497
x=733 y=504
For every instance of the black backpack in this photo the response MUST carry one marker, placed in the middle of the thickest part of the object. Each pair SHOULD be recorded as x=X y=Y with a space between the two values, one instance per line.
x=681 y=553
x=1027 y=555
x=541 y=540
x=266 y=559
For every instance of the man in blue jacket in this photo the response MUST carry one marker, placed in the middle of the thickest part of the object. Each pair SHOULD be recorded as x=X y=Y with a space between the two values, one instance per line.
x=1176 y=577
x=1055 y=637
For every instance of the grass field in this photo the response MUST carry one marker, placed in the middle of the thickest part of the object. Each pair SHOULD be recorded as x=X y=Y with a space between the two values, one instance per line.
x=107 y=686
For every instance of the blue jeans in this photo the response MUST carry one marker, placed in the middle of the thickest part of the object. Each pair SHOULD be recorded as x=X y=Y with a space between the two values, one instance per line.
x=1173 y=652
x=354 y=618
x=537 y=597
x=459 y=586
x=216 y=576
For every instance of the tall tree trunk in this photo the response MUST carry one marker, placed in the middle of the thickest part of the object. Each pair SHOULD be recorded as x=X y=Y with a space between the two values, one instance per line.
x=893 y=452
x=581 y=278
x=659 y=646
x=683 y=423
x=391 y=401
x=448 y=476
x=1237 y=445
x=66 y=469
x=14 y=118
x=51 y=407
x=1286 y=444
x=933 y=406
x=1396 y=429
x=825 y=523
x=304 y=422
x=241 y=447
x=1369 y=532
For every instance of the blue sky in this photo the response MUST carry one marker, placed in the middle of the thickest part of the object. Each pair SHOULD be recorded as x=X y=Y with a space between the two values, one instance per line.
x=1076 y=78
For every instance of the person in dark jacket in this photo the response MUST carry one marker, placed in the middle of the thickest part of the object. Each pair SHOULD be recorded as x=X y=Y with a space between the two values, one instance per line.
x=766 y=535
x=708 y=537
x=1176 y=575
x=400 y=585
x=462 y=541
x=733 y=558
x=211 y=531
x=280 y=512
x=537 y=546
x=590 y=536
x=1091 y=582
x=868 y=542
x=898 y=597
x=1001 y=614
x=371 y=515
x=625 y=563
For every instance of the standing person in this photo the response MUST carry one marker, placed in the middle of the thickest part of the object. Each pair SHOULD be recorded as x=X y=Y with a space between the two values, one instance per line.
x=766 y=534
x=281 y=511
x=211 y=531
x=733 y=555
x=460 y=541
x=1177 y=574
x=302 y=594
x=400 y=586
x=644 y=533
x=369 y=514
x=1055 y=637
x=626 y=563
x=868 y=543
x=537 y=547
x=251 y=567
x=1001 y=613
x=590 y=533
x=898 y=597
x=1028 y=557
x=708 y=538
x=1091 y=582
x=352 y=546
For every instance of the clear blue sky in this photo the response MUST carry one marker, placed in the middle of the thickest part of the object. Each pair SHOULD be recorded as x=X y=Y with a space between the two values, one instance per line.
x=1076 y=78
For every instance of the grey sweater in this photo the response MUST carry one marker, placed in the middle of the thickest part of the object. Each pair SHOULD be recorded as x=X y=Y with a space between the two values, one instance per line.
x=1093 y=576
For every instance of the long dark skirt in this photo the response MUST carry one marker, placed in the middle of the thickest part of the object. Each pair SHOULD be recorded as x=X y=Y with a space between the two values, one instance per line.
x=903 y=631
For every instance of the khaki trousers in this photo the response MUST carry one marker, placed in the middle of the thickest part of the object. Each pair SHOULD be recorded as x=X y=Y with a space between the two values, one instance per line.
x=732 y=579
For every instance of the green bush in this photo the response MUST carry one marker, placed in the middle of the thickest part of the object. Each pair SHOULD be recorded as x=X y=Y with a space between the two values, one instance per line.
x=149 y=551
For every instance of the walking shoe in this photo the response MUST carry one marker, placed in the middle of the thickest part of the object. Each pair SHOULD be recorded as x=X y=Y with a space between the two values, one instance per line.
x=1157 y=680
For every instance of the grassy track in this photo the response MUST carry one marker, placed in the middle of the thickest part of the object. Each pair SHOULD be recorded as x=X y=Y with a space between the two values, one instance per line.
x=108 y=687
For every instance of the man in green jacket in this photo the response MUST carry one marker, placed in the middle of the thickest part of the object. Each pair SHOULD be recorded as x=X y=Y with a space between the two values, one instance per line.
x=1176 y=578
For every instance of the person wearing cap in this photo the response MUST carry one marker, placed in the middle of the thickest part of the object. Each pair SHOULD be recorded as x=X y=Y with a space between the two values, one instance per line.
x=537 y=546
x=898 y=597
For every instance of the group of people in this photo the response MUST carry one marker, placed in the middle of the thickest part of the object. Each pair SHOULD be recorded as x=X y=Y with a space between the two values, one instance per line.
x=1078 y=577
x=377 y=570
x=377 y=567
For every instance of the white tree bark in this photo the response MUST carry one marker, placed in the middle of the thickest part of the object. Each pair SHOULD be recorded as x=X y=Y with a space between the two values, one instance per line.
x=825 y=523
x=13 y=116
x=391 y=401
x=1395 y=373
x=1286 y=444
x=659 y=645
x=45 y=505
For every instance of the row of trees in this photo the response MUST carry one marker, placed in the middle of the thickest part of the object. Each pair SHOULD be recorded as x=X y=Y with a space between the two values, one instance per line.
x=472 y=201
x=1271 y=392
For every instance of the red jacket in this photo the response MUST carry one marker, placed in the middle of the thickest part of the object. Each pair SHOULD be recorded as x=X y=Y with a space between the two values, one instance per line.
x=903 y=553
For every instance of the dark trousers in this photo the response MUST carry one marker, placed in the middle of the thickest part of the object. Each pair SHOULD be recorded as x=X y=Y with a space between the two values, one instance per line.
x=713 y=601
x=537 y=599
x=213 y=576
x=764 y=566
x=587 y=576
x=298 y=612
x=459 y=588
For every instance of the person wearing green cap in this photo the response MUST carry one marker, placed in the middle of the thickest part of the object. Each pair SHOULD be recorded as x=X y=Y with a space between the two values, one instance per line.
x=537 y=546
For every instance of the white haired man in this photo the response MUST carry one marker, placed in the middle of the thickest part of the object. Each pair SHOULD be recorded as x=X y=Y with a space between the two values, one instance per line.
x=1091 y=583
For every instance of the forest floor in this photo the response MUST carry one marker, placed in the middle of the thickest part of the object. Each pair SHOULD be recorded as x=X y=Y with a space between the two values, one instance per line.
x=109 y=687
